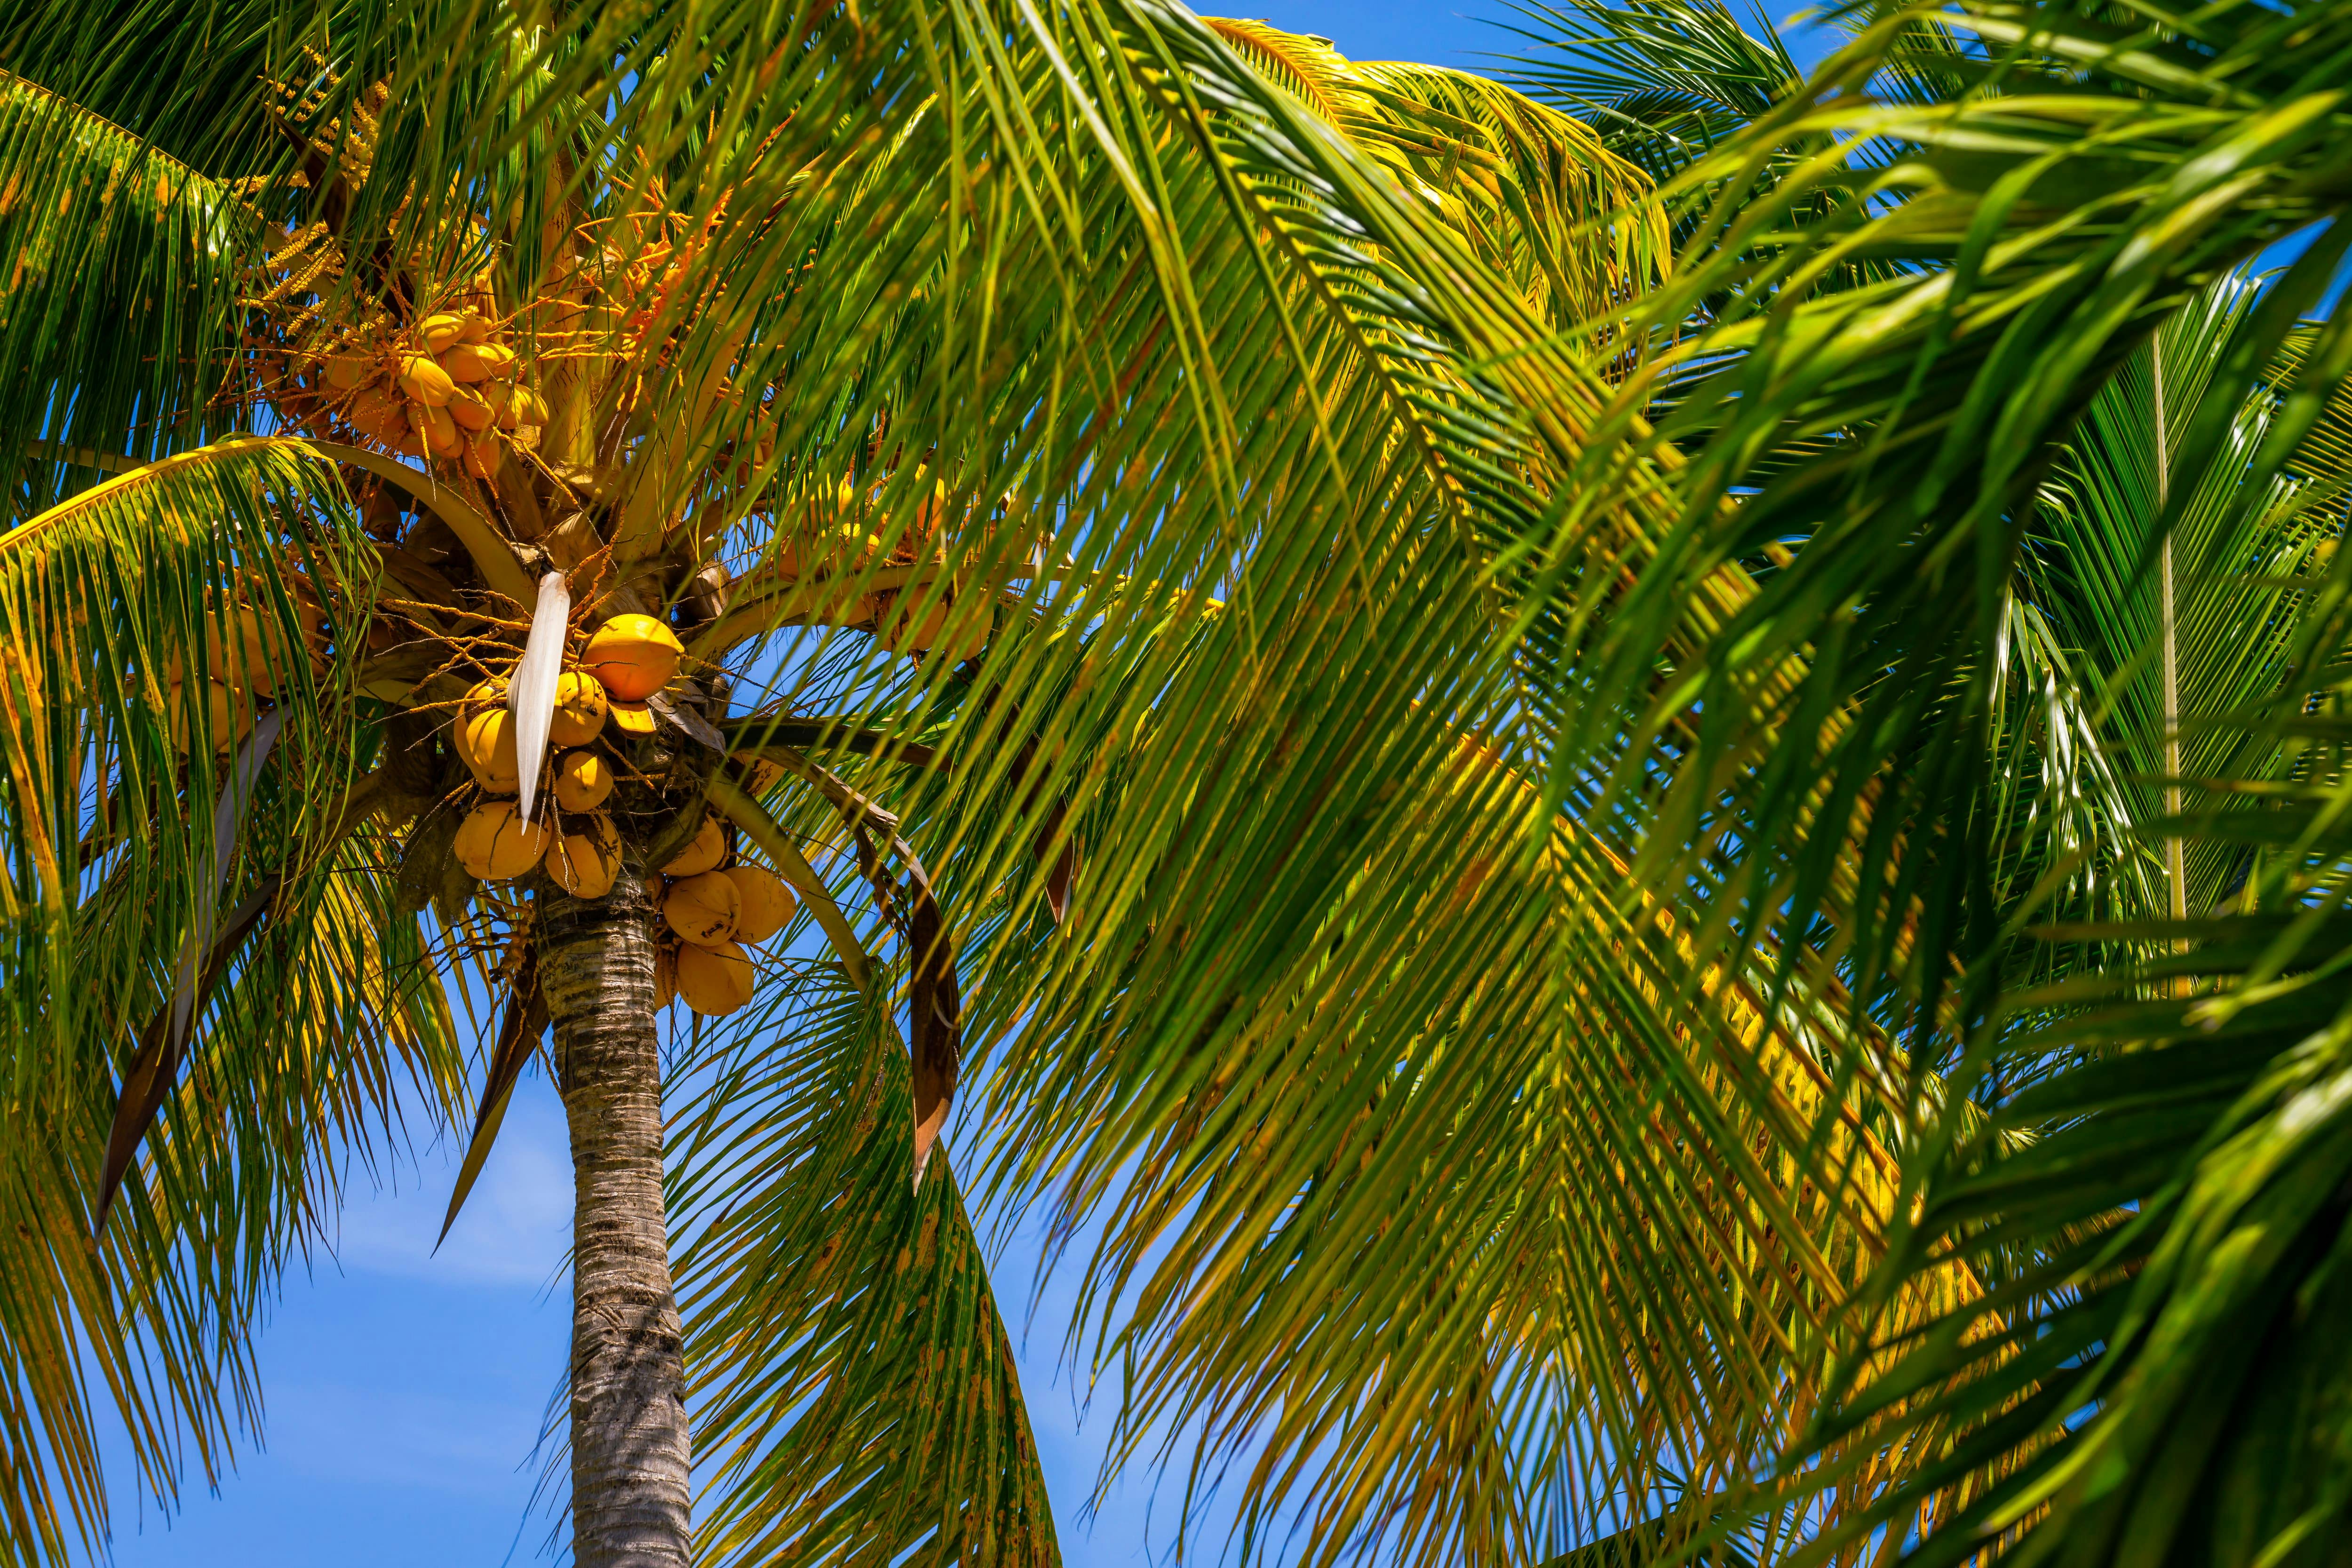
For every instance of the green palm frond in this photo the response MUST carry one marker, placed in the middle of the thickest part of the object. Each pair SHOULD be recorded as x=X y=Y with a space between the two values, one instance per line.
x=1662 y=84
x=1966 y=378
x=2231 y=559
x=858 y=1400
x=2154 y=1214
x=2163 y=1377
x=121 y=265
x=116 y=602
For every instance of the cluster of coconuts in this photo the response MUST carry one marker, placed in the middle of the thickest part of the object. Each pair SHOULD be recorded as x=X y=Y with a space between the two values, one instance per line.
x=446 y=386
x=713 y=906
x=242 y=652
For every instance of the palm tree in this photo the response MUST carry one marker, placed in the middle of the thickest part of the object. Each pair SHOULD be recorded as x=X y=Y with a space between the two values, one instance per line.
x=1068 y=456
x=1405 y=672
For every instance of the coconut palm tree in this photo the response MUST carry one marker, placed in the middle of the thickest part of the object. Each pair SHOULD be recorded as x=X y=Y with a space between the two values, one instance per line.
x=1028 y=504
x=1469 y=786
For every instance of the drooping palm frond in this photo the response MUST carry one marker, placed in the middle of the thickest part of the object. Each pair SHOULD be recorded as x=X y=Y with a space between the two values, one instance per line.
x=1662 y=85
x=117 y=604
x=2154 y=1214
x=857 y=1398
x=2169 y=1383
x=1269 y=745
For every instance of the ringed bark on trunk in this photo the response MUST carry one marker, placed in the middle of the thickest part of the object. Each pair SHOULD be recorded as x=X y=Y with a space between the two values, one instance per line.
x=629 y=1455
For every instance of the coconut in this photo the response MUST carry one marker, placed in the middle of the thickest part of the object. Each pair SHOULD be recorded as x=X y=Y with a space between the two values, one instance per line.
x=497 y=845
x=584 y=863
x=228 y=713
x=348 y=372
x=520 y=406
x=709 y=848
x=715 y=981
x=435 y=432
x=440 y=332
x=634 y=656
x=487 y=742
x=703 y=909
x=424 y=381
x=471 y=410
x=478 y=362
x=583 y=782
x=480 y=454
x=766 y=904
x=579 y=716
x=631 y=718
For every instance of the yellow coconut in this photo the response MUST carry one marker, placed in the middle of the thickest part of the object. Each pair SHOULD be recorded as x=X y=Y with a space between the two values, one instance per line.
x=579 y=716
x=440 y=332
x=703 y=909
x=584 y=863
x=435 y=431
x=583 y=782
x=475 y=831
x=483 y=696
x=478 y=454
x=520 y=406
x=348 y=372
x=228 y=713
x=709 y=848
x=471 y=410
x=378 y=416
x=487 y=742
x=503 y=846
x=765 y=903
x=634 y=656
x=631 y=718
x=478 y=362
x=715 y=981
x=477 y=329
x=424 y=381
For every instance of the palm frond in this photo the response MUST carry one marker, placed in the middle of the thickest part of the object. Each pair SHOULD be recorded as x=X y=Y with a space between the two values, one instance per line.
x=205 y=568
x=857 y=1397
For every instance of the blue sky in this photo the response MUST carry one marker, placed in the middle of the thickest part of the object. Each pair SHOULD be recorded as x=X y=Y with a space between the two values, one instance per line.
x=406 y=1391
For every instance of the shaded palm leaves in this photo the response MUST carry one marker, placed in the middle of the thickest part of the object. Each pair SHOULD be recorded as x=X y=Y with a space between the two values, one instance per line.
x=111 y=597
x=2156 y=1215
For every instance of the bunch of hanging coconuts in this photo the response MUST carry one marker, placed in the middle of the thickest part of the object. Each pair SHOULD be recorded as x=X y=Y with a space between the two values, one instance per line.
x=244 y=658
x=446 y=386
x=709 y=908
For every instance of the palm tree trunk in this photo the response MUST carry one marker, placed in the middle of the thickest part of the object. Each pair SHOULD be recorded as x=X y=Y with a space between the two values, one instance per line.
x=629 y=1456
